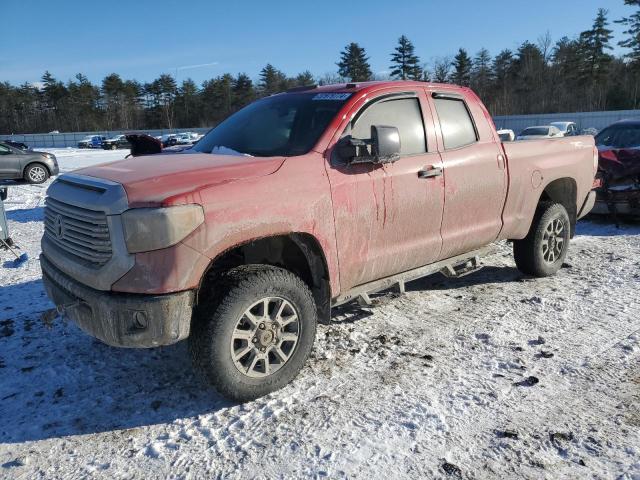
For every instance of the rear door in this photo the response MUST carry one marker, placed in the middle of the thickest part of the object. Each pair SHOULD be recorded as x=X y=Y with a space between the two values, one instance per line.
x=388 y=217
x=474 y=173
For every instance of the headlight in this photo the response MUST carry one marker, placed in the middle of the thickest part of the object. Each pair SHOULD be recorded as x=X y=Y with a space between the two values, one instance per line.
x=148 y=229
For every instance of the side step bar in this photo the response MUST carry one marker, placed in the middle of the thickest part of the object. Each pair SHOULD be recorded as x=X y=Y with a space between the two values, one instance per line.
x=457 y=266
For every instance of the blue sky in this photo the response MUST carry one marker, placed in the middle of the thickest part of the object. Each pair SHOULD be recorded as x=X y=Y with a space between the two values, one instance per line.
x=142 y=38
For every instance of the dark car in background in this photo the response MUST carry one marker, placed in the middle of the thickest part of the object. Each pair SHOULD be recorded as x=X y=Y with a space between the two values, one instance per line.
x=34 y=167
x=91 y=141
x=18 y=145
x=119 y=141
x=618 y=169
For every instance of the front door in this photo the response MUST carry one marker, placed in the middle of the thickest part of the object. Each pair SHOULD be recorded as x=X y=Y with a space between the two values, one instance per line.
x=10 y=166
x=388 y=217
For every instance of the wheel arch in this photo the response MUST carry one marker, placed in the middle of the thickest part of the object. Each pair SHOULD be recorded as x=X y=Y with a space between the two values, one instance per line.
x=35 y=162
x=564 y=191
x=300 y=253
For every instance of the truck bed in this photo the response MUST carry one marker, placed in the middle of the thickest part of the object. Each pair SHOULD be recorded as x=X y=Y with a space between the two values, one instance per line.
x=533 y=165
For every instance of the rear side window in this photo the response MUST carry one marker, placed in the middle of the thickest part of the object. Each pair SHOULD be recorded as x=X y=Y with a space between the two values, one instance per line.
x=455 y=122
x=402 y=113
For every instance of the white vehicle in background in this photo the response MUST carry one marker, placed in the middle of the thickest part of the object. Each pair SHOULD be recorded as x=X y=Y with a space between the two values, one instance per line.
x=506 y=135
x=539 y=132
x=568 y=129
x=187 y=138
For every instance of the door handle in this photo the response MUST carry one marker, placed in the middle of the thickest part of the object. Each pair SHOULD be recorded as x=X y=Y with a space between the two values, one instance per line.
x=429 y=172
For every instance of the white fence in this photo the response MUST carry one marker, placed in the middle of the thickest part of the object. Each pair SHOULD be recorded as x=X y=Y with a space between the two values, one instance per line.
x=597 y=120
x=71 y=139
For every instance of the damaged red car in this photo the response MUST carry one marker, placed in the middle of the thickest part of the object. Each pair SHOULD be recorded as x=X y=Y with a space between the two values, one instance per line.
x=618 y=178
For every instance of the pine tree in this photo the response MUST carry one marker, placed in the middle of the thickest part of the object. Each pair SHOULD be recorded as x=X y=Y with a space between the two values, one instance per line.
x=502 y=72
x=594 y=43
x=304 y=79
x=481 y=75
x=633 y=31
x=243 y=91
x=461 y=68
x=187 y=103
x=405 y=64
x=354 y=64
x=272 y=80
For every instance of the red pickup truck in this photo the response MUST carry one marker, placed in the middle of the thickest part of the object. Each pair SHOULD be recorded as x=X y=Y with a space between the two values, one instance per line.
x=299 y=202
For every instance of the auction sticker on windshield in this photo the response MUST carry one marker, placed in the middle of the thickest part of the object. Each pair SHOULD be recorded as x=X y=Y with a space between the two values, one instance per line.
x=331 y=96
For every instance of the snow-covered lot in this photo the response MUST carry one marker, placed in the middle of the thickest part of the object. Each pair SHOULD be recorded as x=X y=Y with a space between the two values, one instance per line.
x=494 y=375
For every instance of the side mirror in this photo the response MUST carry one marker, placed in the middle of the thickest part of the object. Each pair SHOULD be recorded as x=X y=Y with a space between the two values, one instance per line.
x=383 y=147
x=385 y=143
x=3 y=194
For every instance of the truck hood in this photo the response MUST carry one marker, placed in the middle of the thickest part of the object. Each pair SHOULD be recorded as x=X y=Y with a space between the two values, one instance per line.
x=158 y=179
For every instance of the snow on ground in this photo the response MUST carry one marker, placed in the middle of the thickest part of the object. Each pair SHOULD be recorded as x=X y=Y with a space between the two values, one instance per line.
x=494 y=375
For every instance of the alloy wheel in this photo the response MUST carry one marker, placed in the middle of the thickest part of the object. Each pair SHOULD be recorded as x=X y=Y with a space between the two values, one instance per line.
x=265 y=337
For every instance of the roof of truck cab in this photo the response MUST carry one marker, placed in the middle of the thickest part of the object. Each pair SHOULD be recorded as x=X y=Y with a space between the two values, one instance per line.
x=374 y=85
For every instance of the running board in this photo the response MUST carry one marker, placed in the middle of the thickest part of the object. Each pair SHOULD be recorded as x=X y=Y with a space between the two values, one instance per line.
x=462 y=269
x=457 y=266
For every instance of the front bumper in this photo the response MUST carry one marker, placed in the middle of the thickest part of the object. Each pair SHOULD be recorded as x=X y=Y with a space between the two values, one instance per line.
x=120 y=319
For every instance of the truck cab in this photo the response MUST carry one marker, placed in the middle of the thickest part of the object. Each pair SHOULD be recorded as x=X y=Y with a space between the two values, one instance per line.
x=299 y=202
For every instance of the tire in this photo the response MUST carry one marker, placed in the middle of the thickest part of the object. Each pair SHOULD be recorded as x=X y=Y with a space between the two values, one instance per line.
x=238 y=310
x=542 y=252
x=114 y=147
x=36 y=173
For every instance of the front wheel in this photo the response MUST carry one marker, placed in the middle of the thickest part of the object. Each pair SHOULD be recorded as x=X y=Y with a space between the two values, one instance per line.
x=256 y=336
x=542 y=252
x=36 y=173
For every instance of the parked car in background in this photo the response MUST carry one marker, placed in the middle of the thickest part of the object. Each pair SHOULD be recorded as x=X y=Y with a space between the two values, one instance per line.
x=589 y=131
x=119 y=141
x=18 y=145
x=244 y=252
x=536 y=133
x=168 y=139
x=187 y=138
x=34 y=167
x=619 y=169
x=567 y=129
x=506 y=135
x=91 y=141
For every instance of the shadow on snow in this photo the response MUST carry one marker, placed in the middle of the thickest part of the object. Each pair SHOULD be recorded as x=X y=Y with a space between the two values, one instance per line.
x=57 y=381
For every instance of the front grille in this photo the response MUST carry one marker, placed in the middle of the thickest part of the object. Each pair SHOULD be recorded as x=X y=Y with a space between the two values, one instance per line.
x=79 y=232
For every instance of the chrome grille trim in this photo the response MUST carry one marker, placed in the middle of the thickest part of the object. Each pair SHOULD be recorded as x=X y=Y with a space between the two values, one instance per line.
x=79 y=232
x=93 y=250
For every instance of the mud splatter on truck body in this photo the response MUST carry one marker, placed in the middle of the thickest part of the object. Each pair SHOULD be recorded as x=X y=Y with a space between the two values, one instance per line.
x=342 y=186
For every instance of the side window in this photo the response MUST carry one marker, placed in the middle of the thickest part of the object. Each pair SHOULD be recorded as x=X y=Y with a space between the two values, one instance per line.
x=455 y=122
x=4 y=150
x=402 y=113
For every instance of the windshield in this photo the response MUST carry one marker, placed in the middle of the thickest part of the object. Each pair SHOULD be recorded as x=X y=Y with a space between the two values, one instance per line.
x=281 y=125
x=619 y=136
x=536 y=131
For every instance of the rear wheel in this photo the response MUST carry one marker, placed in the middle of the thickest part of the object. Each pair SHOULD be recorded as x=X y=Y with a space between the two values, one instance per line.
x=36 y=173
x=255 y=337
x=114 y=146
x=542 y=252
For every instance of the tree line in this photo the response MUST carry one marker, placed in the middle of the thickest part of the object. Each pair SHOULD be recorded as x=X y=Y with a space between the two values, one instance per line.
x=571 y=74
